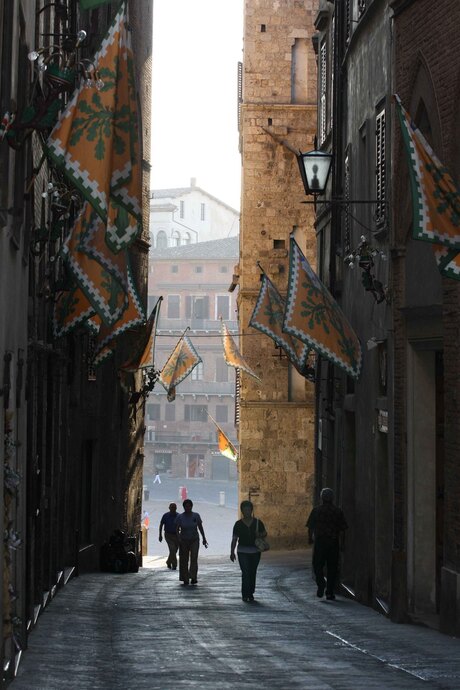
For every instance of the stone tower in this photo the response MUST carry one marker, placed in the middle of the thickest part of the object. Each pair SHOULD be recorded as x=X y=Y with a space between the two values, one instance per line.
x=277 y=114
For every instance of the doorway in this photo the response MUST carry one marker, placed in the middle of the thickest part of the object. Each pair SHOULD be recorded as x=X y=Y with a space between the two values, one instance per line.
x=425 y=478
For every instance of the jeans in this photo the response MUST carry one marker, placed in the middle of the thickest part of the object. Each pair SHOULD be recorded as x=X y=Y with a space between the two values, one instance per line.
x=248 y=564
x=326 y=553
x=188 y=551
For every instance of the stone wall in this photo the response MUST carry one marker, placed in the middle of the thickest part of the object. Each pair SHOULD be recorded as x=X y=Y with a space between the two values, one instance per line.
x=276 y=431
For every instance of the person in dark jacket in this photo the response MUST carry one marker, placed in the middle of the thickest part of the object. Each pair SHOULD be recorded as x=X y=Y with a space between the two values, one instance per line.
x=245 y=532
x=168 y=522
x=326 y=529
x=188 y=524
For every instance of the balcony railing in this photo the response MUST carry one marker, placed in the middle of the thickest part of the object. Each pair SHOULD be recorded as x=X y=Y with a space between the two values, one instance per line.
x=179 y=325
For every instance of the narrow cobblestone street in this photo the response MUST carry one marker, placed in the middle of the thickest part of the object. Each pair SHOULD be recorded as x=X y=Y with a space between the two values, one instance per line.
x=145 y=630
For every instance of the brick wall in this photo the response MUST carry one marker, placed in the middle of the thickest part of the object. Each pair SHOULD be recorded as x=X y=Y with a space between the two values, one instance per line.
x=427 y=66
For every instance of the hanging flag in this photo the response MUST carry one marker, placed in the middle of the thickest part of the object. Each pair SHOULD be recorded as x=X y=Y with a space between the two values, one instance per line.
x=100 y=274
x=96 y=139
x=435 y=197
x=143 y=352
x=132 y=316
x=226 y=447
x=268 y=317
x=232 y=355
x=71 y=309
x=313 y=316
x=179 y=365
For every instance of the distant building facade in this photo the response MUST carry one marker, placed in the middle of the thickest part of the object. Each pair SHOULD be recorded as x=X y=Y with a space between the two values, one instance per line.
x=187 y=215
x=180 y=438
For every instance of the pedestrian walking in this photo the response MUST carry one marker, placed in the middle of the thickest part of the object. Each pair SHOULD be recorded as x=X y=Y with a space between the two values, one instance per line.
x=168 y=524
x=157 y=479
x=326 y=530
x=245 y=533
x=187 y=526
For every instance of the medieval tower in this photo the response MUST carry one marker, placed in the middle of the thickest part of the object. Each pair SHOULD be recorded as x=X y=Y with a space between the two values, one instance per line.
x=277 y=116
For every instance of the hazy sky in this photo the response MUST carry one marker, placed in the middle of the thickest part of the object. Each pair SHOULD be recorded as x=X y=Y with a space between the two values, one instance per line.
x=196 y=47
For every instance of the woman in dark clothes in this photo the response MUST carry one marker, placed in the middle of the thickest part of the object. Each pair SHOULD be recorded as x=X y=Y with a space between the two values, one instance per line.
x=245 y=532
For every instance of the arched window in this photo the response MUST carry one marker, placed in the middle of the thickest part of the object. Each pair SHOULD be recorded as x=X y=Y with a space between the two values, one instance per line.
x=162 y=240
x=187 y=238
x=175 y=238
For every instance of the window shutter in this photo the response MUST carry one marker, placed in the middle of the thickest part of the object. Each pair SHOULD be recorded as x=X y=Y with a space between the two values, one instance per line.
x=380 y=173
x=188 y=307
x=323 y=91
x=187 y=413
x=240 y=93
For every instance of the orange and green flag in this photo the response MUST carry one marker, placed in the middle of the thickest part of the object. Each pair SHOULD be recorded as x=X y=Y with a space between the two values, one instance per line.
x=435 y=197
x=142 y=355
x=226 y=447
x=313 y=316
x=131 y=317
x=100 y=274
x=232 y=355
x=268 y=317
x=96 y=139
x=179 y=365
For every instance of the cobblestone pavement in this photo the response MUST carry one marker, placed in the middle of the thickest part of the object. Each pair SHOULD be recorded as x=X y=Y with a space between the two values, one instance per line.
x=146 y=630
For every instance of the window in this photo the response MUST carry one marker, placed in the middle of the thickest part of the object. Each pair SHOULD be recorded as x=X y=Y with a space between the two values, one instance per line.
x=380 y=176
x=162 y=240
x=151 y=301
x=173 y=306
x=174 y=268
x=197 y=373
x=153 y=411
x=195 y=413
x=187 y=238
x=198 y=269
x=203 y=212
x=223 y=307
x=175 y=238
x=322 y=91
x=223 y=269
x=181 y=209
x=221 y=370
x=221 y=413
x=196 y=307
x=170 y=413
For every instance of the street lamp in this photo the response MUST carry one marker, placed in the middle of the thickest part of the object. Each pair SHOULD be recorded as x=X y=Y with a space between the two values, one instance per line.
x=314 y=167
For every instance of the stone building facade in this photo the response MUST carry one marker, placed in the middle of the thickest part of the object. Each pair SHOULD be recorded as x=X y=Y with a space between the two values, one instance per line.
x=278 y=102
x=71 y=445
x=388 y=443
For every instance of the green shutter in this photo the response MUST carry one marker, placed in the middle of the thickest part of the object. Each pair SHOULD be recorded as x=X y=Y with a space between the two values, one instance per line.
x=91 y=4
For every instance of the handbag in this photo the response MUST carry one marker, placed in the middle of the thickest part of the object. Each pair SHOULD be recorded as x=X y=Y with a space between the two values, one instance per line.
x=260 y=542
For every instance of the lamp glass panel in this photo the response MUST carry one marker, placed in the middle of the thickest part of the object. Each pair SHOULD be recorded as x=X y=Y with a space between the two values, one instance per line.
x=316 y=165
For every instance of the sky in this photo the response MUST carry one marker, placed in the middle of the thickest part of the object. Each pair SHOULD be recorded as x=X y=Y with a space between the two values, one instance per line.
x=197 y=45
